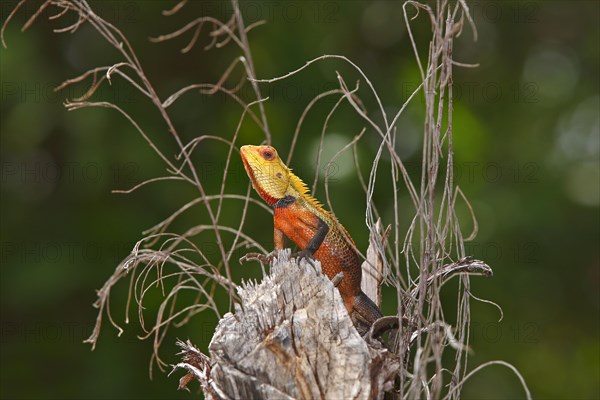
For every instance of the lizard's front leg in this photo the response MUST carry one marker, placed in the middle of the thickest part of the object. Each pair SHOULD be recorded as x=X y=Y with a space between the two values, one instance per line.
x=278 y=244
x=278 y=239
x=313 y=245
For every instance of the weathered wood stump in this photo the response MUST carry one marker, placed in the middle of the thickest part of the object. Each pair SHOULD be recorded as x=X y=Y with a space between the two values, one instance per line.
x=290 y=337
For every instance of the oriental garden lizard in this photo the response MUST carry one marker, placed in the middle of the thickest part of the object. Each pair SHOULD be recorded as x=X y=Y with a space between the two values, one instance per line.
x=299 y=217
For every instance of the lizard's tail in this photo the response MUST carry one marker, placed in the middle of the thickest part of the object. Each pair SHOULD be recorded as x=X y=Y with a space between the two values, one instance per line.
x=364 y=313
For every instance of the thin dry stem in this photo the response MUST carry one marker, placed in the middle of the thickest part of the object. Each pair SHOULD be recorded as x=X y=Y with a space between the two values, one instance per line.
x=418 y=263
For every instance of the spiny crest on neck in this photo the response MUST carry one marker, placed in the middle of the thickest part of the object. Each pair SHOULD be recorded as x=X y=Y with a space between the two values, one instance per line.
x=299 y=186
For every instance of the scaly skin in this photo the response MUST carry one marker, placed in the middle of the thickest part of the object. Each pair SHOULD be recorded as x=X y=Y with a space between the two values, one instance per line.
x=300 y=217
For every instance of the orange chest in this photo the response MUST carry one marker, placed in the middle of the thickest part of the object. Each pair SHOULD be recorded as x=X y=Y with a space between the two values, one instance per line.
x=297 y=223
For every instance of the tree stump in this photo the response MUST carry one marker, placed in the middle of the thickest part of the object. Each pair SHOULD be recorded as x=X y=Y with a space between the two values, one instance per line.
x=290 y=338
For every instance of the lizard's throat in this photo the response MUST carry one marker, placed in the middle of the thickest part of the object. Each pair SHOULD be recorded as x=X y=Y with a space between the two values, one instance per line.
x=269 y=199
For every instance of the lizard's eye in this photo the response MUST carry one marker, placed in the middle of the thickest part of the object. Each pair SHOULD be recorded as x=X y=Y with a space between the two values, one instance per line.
x=268 y=155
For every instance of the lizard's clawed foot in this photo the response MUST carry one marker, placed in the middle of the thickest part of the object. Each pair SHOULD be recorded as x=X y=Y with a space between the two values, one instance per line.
x=263 y=258
x=304 y=255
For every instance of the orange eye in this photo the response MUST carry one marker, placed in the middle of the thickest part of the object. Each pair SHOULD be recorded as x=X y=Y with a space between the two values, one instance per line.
x=268 y=154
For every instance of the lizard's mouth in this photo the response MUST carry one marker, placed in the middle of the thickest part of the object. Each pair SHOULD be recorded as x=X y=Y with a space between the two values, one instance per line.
x=246 y=163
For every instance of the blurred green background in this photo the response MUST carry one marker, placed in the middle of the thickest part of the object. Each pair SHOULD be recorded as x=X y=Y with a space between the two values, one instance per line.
x=526 y=126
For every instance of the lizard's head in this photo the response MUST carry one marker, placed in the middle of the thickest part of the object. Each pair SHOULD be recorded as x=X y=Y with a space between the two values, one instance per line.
x=270 y=177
